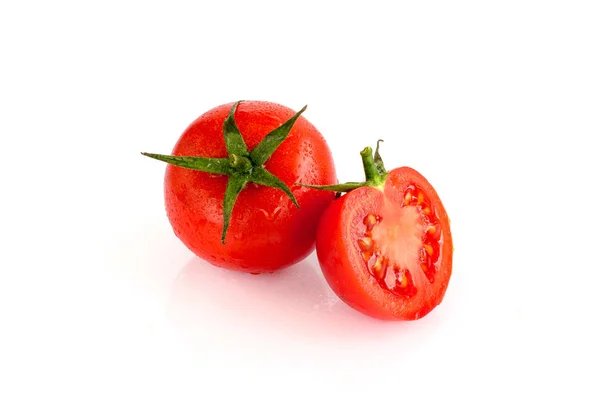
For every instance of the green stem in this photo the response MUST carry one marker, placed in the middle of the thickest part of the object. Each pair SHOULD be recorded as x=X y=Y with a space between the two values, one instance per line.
x=341 y=187
x=372 y=174
x=375 y=174
x=240 y=163
x=369 y=164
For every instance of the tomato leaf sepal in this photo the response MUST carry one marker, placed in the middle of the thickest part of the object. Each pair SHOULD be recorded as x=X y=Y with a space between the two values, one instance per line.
x=375 y=174
x=261 y=153
x=220 y=166
x=241 y=166
x=340 y=187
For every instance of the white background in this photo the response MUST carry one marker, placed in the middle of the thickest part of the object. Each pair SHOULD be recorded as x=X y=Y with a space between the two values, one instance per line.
x=496 y=103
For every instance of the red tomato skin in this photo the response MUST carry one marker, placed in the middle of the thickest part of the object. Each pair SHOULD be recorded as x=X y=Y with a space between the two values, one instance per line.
x=267 y=232
x=341 y=262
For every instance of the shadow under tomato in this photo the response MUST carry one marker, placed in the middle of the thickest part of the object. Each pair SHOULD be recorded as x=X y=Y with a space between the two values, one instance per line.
x=295 y=303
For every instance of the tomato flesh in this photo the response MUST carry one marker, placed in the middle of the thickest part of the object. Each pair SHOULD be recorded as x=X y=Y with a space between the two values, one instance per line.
x=406 y=238
x=393 y=255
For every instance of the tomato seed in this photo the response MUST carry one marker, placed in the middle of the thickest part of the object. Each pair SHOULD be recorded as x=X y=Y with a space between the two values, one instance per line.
x=365 y=243
x=403 y=281
x=366 y=255
x=380 y=267
x=370 y=221
x=429 y=249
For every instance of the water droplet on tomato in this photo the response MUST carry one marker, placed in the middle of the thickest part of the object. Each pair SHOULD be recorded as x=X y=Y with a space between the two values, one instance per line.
x=270 y=216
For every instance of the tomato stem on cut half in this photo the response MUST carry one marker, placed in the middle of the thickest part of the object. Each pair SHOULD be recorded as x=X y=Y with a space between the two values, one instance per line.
x=375 y=173
x=241 y=166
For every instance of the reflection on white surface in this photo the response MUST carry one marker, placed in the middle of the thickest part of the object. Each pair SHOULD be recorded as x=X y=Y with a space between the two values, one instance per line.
x=294 y=304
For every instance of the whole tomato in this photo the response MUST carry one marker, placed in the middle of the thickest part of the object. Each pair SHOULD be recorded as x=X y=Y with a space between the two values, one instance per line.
x=385 y=247
x=230 y=190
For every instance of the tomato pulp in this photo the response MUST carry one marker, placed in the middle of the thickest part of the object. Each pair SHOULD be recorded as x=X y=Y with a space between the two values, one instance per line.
x=387 y=251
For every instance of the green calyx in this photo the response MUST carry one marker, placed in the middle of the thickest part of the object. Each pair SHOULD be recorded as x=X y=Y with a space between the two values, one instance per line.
x=241 y=166
x=375 y=173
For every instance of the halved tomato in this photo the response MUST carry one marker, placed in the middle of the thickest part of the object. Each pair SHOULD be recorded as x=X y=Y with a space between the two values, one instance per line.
x=385 y=247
